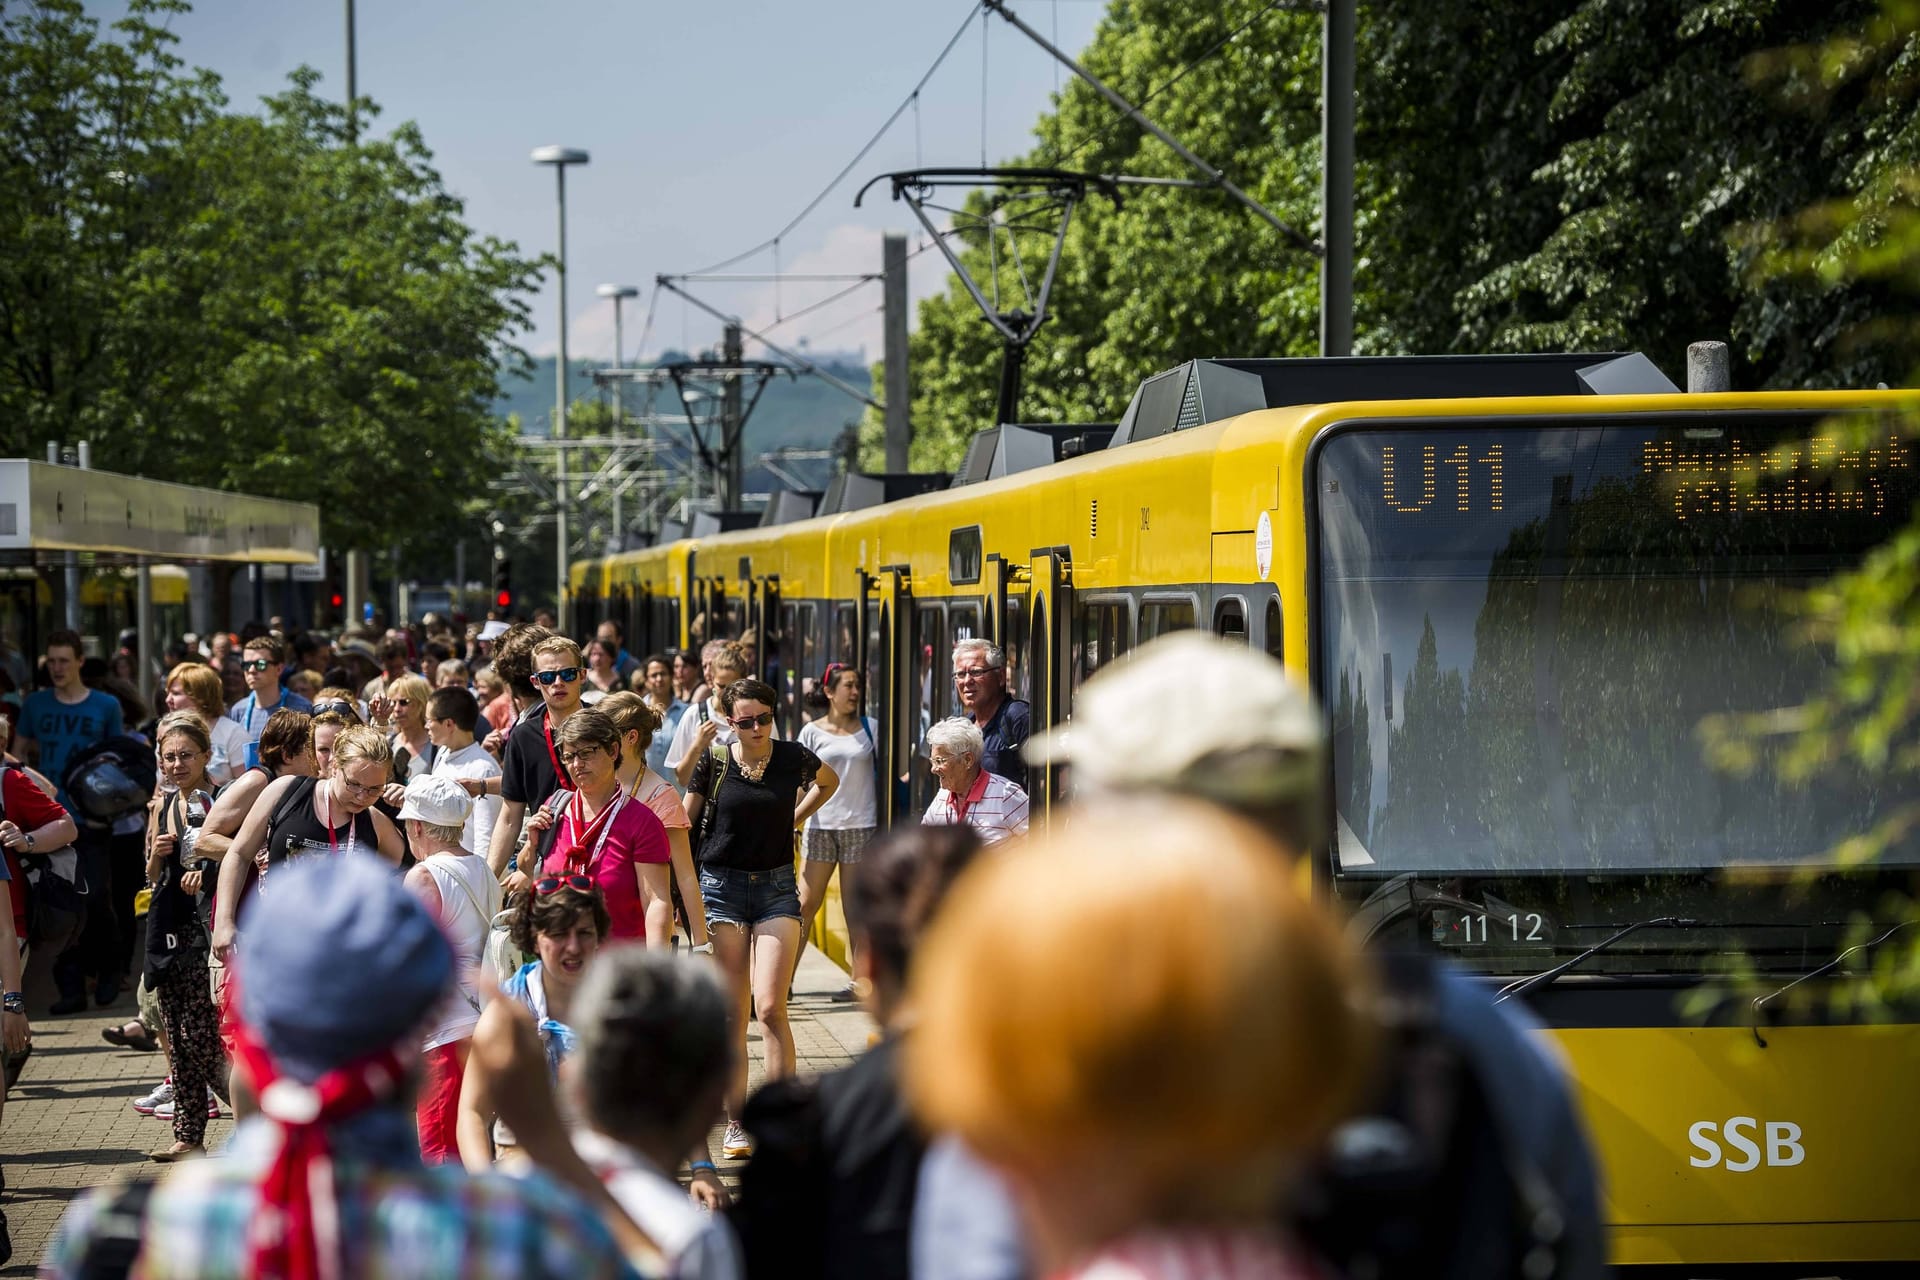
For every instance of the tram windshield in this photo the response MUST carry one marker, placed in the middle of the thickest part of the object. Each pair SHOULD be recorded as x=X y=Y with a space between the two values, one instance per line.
x=1525 y=627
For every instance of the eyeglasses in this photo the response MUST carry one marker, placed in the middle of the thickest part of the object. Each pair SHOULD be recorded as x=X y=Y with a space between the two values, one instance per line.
x=580 y=756
x=941 y=762
x=760 y=721
x=973 y=673
x=256 y=664
x=401 y=702
x=360 y=788
x=335 y=708
x=554 y=884
x=568 y=674
x=179 y=759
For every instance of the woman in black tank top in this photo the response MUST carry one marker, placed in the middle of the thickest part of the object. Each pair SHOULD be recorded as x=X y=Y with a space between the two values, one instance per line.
x=299 y=817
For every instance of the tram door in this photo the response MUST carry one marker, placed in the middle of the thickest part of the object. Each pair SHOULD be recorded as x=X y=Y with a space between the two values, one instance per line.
x=885 y=624
x=1048 y=608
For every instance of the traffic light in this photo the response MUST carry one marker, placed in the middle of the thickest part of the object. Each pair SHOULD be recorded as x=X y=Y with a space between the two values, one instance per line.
x=502 y=584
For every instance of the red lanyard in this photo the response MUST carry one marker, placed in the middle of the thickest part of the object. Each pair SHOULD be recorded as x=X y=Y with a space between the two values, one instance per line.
x=560 y=773
x=326 y=820
x=603 y=824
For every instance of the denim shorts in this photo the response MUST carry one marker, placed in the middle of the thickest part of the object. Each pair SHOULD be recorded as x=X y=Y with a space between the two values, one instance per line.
x=748 y=897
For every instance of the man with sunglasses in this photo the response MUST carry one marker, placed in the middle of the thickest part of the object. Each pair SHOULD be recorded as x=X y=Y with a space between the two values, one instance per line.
x=262 y=661
x=530 y=767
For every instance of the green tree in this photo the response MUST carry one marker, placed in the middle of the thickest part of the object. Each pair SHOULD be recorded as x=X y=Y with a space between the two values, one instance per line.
x=253 y=302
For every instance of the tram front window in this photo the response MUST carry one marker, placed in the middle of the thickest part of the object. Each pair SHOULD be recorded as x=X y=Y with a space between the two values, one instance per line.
x=1524 y=629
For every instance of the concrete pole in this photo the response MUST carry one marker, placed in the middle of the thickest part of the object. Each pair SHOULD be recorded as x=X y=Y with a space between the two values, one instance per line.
x=353 y=81
x=561 y=497
x=899 y=434
x=357 y=587
x=1336 y=177
x=460 y=576
x=83 y=454
x=619 y=423
x=143 y=627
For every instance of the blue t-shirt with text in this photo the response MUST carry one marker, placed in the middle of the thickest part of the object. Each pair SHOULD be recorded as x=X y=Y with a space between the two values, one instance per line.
x=63 y=728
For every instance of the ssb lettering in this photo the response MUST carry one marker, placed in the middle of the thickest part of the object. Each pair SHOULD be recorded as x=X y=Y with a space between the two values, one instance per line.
x=1783 y=1147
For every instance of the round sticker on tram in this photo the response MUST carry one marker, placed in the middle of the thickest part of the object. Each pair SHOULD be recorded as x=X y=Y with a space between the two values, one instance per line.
x=1263 y=546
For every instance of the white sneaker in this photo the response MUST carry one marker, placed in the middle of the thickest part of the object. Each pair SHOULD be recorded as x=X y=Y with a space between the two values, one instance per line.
x=736 y=1145
x=165 y=1110
x=162 y=1095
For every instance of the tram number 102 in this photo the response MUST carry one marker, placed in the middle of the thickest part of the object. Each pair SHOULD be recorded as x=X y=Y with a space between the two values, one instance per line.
x=1477 y=929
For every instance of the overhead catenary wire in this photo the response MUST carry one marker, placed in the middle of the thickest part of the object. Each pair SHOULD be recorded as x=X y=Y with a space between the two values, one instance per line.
x=910 y=100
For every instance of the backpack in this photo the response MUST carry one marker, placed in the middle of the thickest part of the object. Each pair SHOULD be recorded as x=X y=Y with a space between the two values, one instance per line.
x=1424 y=1182
x=718 y=756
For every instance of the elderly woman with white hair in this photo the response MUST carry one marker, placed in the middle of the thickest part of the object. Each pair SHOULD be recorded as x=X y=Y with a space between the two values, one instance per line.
x=987 y=802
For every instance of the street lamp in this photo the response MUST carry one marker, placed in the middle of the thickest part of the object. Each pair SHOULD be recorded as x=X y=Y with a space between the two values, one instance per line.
x=619 y=293
x=560 y=158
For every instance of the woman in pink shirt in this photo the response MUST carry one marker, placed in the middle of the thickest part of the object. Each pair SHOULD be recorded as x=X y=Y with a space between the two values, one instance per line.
x=638 y=722
x=600 y=831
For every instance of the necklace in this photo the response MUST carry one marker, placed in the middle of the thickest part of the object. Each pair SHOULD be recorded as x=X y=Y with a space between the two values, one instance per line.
x=754 y=772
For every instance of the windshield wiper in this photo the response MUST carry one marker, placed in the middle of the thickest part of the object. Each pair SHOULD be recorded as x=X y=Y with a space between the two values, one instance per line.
x=1761 y=1001
x=1548 y=976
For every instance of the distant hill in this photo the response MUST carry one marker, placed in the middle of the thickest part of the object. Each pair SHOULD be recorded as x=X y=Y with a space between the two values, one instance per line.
x=802 y=412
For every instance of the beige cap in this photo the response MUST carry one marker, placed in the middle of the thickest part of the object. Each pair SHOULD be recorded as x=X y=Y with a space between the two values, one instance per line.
x=438 y=800
x=1193 y=714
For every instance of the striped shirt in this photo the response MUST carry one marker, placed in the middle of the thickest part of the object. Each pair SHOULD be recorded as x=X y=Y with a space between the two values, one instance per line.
x=993 y=806
x=398 y=1219
x=1194 y=1255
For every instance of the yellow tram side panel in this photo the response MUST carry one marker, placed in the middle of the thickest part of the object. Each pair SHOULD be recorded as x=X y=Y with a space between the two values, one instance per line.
x=1835 y=1174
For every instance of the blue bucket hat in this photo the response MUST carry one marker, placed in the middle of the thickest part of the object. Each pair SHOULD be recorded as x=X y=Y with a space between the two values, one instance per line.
x=337 y=961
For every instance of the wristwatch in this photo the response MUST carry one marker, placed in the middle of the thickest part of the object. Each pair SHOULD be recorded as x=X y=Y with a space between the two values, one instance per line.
x=13 y=1002
x=27 y=840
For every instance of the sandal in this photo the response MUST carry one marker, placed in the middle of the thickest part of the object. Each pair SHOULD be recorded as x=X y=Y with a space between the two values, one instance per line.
x=119 y=1035
x=178 y=1151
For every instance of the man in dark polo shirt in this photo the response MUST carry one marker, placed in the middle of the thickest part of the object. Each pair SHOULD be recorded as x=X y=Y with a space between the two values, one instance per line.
x=980 y=678
x=530 y=768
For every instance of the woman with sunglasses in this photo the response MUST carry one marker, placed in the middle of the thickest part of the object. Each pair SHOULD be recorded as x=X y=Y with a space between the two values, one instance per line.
x=407 y=718
x=638 y=723
x=746 y=802
x=599 y=831
x=561 y=921
x=331 y=814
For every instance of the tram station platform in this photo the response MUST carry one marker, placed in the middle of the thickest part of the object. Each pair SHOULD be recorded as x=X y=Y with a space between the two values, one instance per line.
x=70 y=1125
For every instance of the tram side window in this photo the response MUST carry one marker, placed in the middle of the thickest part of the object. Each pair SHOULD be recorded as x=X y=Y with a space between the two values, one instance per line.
x=1102 y=637
x=1230 y=620
x=1275 y=637
x=843 y=642
x=1014 y=643
x=963 y=623
x=1158 y=617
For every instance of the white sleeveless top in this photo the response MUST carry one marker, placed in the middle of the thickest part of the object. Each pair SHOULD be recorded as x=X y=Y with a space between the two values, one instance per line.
x=469 y=897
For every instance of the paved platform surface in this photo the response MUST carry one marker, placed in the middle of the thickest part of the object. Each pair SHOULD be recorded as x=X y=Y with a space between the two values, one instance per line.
x=69 y=1125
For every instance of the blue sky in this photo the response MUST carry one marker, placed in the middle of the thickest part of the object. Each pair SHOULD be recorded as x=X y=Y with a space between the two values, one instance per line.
x=710 y=125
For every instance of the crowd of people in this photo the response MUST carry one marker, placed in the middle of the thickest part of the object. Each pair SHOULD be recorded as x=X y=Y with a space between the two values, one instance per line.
x=469 y=933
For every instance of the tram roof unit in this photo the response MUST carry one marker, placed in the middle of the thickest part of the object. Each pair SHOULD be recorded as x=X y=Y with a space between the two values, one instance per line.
x=50 y=508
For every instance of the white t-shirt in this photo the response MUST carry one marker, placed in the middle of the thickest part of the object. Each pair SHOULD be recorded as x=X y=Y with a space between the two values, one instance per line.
x=851 y=756
x=698 y=1245
x=229 y=750
x=473 y=761
x=469 y=898
x=690 y=725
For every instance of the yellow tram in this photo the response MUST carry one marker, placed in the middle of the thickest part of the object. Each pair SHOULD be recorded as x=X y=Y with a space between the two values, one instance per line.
x=1518 y=585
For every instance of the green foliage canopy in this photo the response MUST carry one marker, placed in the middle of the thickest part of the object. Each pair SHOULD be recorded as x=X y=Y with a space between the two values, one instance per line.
x=250 y=302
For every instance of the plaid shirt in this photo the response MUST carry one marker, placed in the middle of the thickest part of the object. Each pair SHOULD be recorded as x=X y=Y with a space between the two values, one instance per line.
x=399 y=1219
x=993 y=806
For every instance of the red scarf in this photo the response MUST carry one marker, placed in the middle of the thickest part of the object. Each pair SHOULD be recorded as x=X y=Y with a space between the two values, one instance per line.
x=296 y=1235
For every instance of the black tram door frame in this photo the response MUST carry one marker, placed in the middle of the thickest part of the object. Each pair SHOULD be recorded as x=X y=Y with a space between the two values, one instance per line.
x=884 y=668
x=1050 y=609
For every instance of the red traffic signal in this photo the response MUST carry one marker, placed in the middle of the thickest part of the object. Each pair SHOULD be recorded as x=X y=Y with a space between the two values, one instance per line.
x=337 y=599
x=504 y=599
